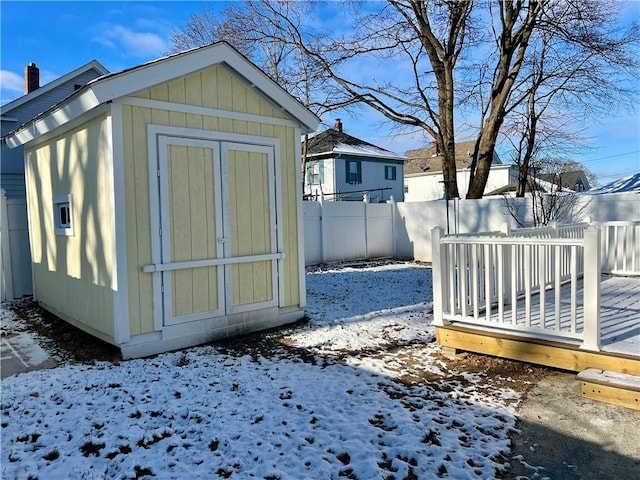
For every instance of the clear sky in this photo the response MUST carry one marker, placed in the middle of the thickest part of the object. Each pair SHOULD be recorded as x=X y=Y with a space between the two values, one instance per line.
x=60 y=36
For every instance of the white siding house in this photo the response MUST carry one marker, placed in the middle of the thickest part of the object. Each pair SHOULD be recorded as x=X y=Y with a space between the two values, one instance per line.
x=344 y=168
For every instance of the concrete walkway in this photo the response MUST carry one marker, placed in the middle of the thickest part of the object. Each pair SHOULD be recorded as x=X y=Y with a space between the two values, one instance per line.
x=20 y=353
x=565 y=436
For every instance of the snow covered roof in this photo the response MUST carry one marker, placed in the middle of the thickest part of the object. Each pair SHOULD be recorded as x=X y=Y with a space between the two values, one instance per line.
x=630 y=183
x=333 y=141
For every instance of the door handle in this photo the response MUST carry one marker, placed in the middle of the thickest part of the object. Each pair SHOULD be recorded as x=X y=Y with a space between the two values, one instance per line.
x=224 y=240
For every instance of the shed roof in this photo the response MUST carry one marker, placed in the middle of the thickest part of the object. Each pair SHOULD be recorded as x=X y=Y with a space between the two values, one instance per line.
x=112 y=86
x=334 y=141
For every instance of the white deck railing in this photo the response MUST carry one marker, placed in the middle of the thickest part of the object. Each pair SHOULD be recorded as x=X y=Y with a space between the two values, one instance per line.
x=540 y=282
x=620 y=243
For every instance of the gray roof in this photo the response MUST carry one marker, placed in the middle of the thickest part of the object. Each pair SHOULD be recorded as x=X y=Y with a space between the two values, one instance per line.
x=333 y=141
x=567 y=179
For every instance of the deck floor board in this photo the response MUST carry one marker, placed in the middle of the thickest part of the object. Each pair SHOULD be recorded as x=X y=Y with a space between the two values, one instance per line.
x=619 y=313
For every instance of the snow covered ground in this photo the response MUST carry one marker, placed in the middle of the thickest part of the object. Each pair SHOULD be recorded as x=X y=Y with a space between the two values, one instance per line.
x=359 y=391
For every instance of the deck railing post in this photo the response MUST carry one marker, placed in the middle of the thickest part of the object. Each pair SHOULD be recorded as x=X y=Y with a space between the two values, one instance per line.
x=438 y=268
x=506 y=266
x=592 y=278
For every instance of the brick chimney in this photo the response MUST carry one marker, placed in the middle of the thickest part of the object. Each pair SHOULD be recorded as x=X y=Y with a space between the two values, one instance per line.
x=435 y=148
x=31 y=78
x=338 y=125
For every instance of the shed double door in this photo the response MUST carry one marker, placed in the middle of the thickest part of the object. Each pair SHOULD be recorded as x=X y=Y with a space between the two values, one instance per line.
x=218 y=228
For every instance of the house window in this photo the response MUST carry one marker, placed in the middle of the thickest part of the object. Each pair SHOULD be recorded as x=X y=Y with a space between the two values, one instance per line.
x=406 y=189
x=389 y=172
x=354 y=172
x=314 y=174
x=63 y=224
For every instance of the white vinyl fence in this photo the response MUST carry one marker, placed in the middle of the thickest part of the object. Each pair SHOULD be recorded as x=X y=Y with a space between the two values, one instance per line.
x=342 y=231
x=336 y=231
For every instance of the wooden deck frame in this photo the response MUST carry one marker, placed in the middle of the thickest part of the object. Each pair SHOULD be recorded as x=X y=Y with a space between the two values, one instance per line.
x=622 y=390
x=560 y=355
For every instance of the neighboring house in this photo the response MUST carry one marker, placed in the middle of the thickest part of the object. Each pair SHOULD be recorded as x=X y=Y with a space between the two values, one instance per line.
x=165 y=202
x=15 y=266
x=23 y=109
x=424 y=181
x=567 y=182
x=575 y=181
x=343 y=167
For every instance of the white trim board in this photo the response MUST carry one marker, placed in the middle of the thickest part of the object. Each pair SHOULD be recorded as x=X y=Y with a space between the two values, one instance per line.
x=206 y=111
x=154 y=130
x=300 y=219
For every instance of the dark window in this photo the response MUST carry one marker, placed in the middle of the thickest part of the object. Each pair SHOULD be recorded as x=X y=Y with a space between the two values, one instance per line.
x=354 y=172
x=62 y=221
x=389 y=172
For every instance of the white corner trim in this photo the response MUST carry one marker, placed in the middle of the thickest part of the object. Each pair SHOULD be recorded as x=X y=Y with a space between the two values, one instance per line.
x=206 y=111
x=277 y=190
x=300 y=219
x=120 y=280
x=154 y=222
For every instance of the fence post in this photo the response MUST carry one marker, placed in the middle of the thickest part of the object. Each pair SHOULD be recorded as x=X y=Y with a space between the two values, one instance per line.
x=394 y=212
x=438 y=268
x=365 y=206
x=592 y=278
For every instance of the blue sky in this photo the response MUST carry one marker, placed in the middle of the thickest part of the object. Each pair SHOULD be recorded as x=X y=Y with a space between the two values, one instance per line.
x=60 y=36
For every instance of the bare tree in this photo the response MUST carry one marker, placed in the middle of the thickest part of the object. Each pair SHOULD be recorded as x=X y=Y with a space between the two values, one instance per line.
x=255 y=28
x=430 y=58
x=431 y=37
x=575 y=70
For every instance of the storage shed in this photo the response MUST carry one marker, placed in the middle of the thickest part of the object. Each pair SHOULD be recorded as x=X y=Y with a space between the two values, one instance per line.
x=165 y=202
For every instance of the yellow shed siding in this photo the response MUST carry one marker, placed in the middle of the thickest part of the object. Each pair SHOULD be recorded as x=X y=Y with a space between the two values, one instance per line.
x=213 y=88
x=73 y=274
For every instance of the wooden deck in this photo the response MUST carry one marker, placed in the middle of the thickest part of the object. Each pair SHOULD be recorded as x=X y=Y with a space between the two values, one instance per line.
x=619 y=322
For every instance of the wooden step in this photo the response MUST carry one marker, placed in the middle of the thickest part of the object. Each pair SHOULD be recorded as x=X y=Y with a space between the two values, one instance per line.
x=611 y=387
